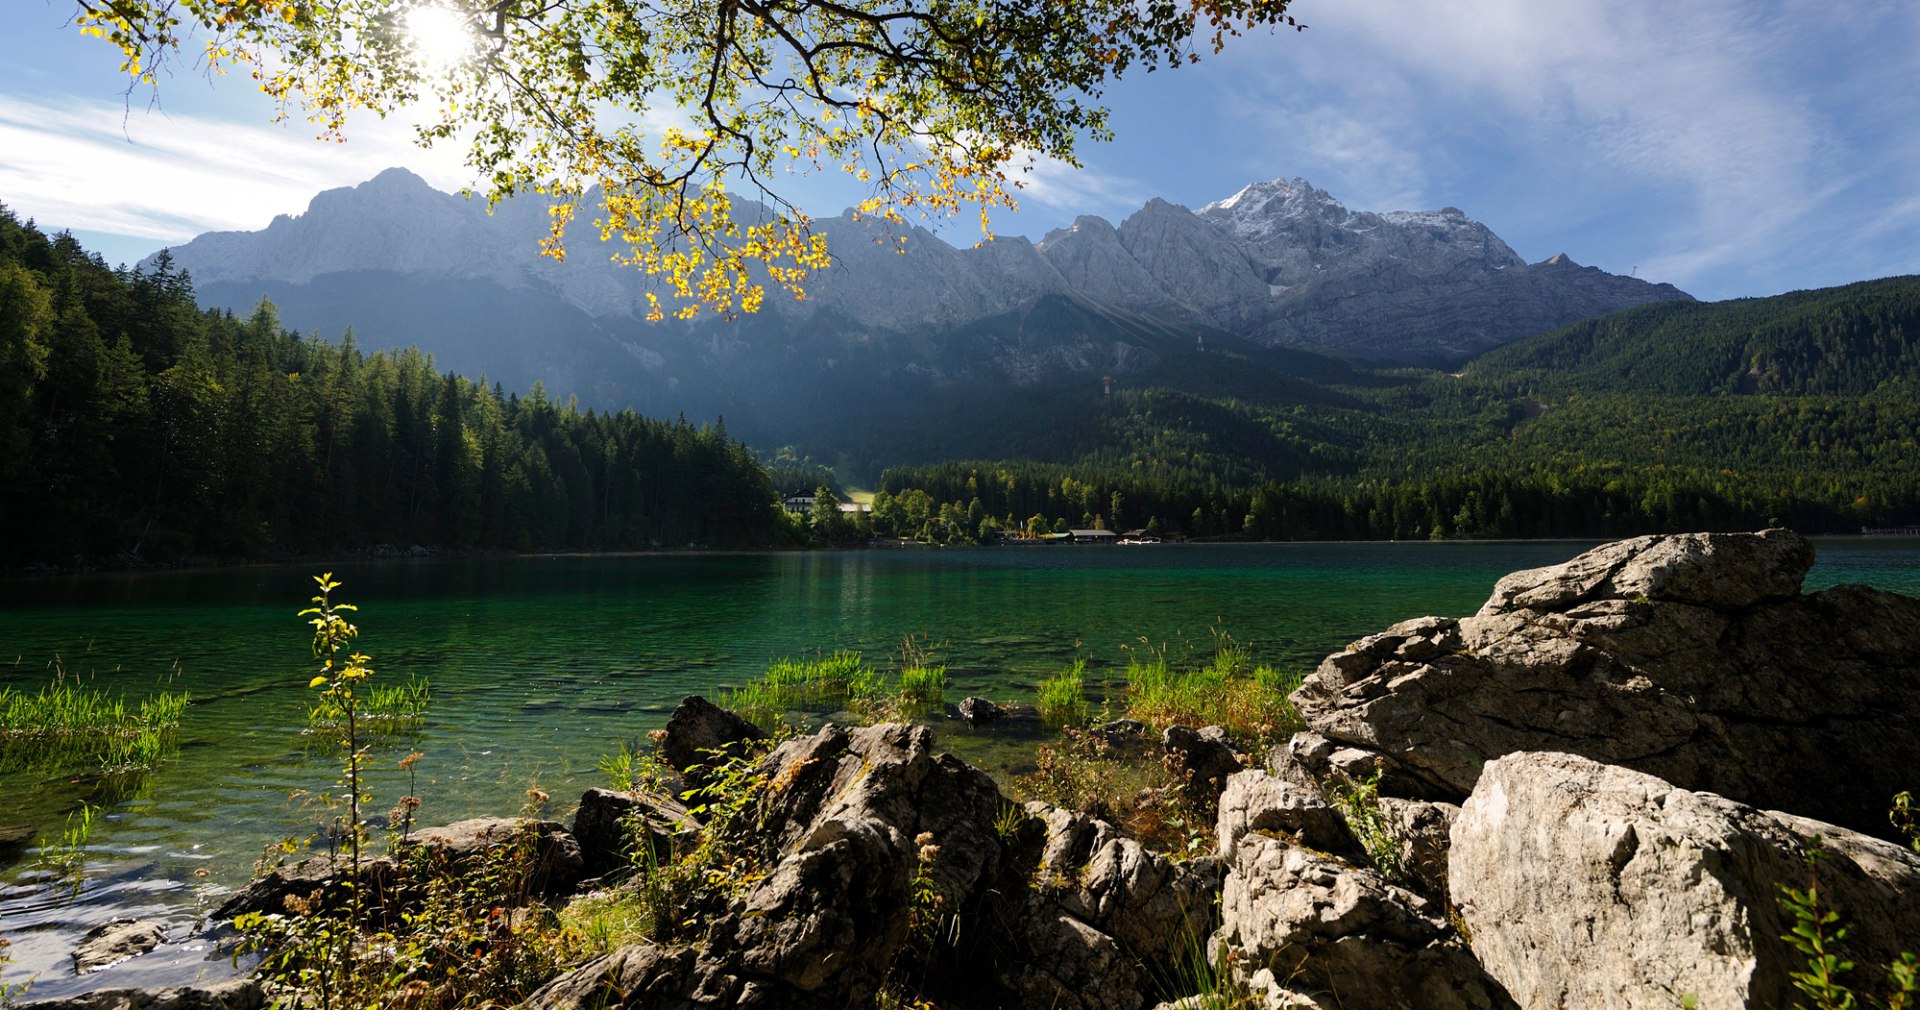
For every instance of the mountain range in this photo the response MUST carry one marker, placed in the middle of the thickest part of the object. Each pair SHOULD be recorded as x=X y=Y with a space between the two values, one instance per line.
x=1278 y=265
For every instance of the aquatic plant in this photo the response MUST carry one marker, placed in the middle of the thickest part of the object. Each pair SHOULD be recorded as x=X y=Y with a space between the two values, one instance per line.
x=1249 y=700
x=69 y=723
x=65 y=856
x=840 y=681
x=381 y=709
x=1063 y=697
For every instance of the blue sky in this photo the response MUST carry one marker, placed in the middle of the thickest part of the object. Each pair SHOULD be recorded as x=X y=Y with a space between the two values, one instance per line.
x=1731 y=147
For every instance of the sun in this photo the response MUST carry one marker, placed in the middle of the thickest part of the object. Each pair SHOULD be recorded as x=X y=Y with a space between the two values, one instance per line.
x=442 y=38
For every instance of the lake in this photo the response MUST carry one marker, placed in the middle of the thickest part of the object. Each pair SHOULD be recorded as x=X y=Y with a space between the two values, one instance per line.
x=541 y=665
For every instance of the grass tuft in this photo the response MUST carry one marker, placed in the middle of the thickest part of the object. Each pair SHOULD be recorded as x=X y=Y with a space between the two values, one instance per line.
x=1249 y=700
x=1063 y=697
x=68 y=723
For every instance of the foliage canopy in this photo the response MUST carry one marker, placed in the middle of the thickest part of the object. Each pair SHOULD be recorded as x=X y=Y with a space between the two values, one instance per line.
x=654 y=109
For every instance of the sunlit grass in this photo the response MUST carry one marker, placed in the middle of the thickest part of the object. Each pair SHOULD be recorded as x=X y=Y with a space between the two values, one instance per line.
x=379 y=709
x=1063 y=697
x=68 y=723
x=842 y=681
x=1249 y=700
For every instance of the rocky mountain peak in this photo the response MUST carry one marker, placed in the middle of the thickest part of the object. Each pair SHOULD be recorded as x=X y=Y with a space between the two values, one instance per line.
x=1280 y=262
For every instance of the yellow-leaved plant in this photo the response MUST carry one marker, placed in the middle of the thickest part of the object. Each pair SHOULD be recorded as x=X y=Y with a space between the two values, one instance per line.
x=656 y=113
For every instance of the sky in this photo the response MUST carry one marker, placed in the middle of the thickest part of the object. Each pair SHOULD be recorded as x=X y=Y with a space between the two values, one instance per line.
x=1731 y=147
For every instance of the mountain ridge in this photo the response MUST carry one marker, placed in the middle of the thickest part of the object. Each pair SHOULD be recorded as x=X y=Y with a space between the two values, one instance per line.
x=1280 y=262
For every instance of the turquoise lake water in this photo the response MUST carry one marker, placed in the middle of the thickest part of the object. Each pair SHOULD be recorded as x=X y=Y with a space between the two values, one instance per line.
x=541 y=665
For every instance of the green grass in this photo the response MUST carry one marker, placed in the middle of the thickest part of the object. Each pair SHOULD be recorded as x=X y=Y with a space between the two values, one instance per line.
x=841 y=681
x=1249 y=700
x=66 y=856
x=380 y=709
x=67 y=723
x=1063 y=697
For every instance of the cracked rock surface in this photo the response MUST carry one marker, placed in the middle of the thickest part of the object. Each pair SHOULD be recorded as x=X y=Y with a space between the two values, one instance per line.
x=1588 y=885
x=1693 y=657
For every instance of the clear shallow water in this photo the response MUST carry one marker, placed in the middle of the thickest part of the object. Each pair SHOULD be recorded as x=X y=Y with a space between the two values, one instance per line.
x=541 y=665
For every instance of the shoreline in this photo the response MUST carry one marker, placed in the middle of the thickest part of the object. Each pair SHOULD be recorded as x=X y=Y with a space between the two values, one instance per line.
x=420 y=553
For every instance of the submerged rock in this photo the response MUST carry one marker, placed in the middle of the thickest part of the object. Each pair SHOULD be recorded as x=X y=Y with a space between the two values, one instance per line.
x=1689 y=656
x=113 y=942
x=1589 y=885
x=978 y=711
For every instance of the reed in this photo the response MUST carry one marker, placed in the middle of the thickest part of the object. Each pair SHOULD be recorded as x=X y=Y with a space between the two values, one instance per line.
x=381 y=709
x=69 y=723
x=1249 y=700
x=1063 y=697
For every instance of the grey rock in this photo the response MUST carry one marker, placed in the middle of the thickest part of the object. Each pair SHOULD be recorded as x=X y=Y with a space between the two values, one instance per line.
x=1687 y=656
x=1294 y=920
x=978 y=711
x=609 y=825
x=1201 y=761
x=234 y=994
x=1585 y=884
x=553 y=866
x=1423 y=830
x=861 y=833
x=1722 y=571
x=387 y=884
x=639 y=976
x=700 y=734
x=1255 y=801
x=113 y=942
x=849 y=820
x=317 y=878
x=1155 y=909
x=1073 y=966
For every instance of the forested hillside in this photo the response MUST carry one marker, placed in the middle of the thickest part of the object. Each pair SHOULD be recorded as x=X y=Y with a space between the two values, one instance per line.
x=133 y=425
x=1801 y=410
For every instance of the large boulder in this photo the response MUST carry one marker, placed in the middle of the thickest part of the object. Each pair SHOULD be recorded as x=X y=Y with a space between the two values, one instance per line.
x=1297 y=921
x=852 y=837
x=1256 y=801
x=864 y=857
x=544 y=856
x=1589 y=885
x=1691 y=657
x=610 y=827
x=700 y=735
x=1148 y=910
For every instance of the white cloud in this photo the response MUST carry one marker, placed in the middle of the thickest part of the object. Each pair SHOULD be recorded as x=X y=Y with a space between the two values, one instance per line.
x=1079 y=190
x=102 y=167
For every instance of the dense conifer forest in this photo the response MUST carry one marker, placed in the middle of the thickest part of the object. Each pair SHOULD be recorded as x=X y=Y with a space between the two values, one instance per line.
x=134 y=426
x=1800 y=410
